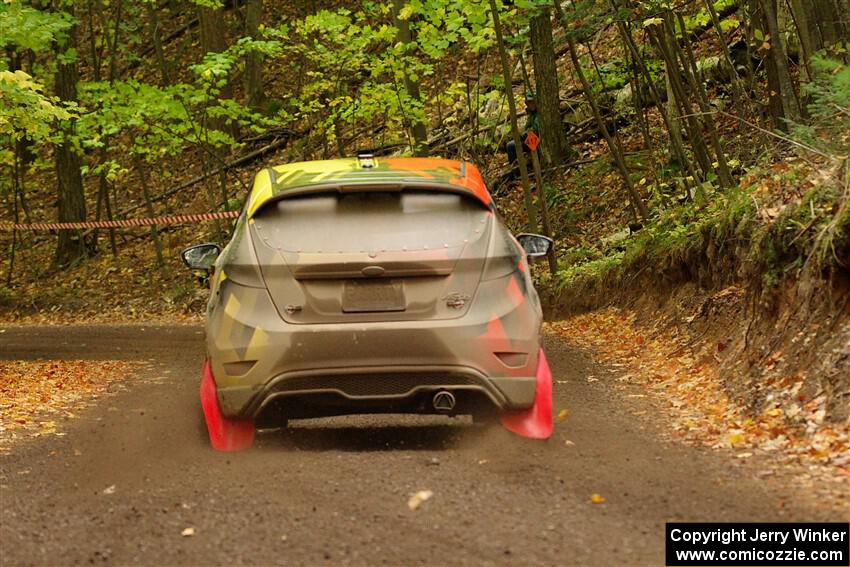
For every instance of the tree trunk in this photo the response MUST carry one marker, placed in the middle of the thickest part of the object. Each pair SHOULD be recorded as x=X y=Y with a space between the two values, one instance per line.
x=418 y=127
x=71 y=198
x=530 y=209
x=698 y=86
x=253 y=78
x=113 y=41
x=95 y=53
x=675 y=133
x=781 y=74
x=103 y=152
x=213 y=40
x=829 y=22
x=667 y=47
x=820 y=24
x=636 y=201
x=143 y=181
x=738 y=94
x=211 y=25
x=16 y=177
x=553 y=140
x=842 y=7
x=156 y=37
x=544 y=210
x=212 y=30
x=23 y=154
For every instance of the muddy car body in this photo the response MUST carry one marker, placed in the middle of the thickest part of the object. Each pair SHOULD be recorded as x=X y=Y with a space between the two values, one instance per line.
x=371 y=285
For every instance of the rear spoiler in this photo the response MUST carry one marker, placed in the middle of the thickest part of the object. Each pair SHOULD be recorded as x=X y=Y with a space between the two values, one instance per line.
x=374 y=185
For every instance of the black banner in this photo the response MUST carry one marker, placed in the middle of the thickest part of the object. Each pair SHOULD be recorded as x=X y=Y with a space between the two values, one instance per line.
x=761 y=544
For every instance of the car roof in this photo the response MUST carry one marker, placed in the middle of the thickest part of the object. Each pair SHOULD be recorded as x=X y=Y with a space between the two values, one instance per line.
x=350 y=173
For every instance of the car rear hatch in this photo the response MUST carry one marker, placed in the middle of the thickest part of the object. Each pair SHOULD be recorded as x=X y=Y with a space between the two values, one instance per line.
x=372 y=255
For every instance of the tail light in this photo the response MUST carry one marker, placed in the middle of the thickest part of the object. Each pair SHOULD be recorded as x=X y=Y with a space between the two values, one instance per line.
x=505 y=255
x=239 y=261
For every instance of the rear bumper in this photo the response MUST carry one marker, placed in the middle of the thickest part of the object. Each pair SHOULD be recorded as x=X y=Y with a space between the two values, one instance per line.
x=377 y=390
x=256 y=357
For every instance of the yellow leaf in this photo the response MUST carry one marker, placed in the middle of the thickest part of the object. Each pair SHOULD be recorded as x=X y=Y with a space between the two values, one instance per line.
x=417 y=499
x=563 y=415
x=735 y=438
x=597 y=498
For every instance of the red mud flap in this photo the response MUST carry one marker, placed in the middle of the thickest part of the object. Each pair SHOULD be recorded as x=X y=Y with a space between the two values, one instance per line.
x=536 y=421
x=225 y=434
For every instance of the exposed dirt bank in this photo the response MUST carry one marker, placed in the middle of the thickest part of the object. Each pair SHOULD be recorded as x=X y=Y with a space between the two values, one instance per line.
x=763 y=373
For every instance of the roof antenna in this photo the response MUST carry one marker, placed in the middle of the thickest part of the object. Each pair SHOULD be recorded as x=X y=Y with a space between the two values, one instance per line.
x=366 y=161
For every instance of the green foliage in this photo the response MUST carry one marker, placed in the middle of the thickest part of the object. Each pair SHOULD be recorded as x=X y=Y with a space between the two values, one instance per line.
x=356 y=68
x=610 y=75
x=214 y=4
x=589 y=273
x=702 y=18
x=25 y=111
x=615 y=73
x=442 y=24
x=829 y=128
x=156 y=122
x=803 y=234
x=25 y=27
x=804 y=237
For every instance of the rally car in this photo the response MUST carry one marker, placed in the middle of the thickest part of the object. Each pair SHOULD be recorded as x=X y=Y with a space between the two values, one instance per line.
x=371 y=286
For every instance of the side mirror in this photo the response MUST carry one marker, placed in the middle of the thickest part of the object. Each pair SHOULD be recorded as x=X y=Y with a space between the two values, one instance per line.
x=535 y=245
x=201 y=256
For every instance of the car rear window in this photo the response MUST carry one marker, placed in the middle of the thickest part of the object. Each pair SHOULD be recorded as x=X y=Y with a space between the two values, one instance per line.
x=370 y=221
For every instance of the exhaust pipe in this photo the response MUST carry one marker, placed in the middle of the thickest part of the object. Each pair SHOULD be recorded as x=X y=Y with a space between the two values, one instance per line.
x=444 y=401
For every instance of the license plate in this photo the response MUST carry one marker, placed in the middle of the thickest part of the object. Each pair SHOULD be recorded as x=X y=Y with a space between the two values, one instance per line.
x=363 y=296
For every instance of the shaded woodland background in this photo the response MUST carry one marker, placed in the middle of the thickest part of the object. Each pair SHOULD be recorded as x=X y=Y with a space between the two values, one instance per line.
x=665 y=116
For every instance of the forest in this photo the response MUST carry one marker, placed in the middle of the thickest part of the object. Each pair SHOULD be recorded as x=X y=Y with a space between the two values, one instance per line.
x=690 y=160
x=721 y=123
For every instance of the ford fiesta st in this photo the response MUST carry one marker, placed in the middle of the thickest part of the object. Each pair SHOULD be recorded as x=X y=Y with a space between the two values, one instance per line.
x=368 y=285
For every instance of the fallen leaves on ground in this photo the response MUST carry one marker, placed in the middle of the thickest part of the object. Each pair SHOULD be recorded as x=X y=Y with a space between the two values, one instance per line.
x=676 y=373
x=128 y=287
x=417 y=499
x=35 y=394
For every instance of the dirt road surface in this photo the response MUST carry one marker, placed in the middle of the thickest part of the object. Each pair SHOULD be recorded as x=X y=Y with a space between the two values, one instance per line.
x=335 y=492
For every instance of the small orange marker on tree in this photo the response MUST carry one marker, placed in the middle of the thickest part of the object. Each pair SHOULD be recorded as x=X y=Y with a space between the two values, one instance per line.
x=532 y=140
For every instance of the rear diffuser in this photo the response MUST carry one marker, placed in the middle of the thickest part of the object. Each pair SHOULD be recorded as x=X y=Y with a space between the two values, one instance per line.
x=226 y=434
x=536 y=421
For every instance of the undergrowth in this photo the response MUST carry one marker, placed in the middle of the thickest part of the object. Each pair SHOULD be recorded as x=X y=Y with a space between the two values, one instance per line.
x=788 y=218
x=740 y=234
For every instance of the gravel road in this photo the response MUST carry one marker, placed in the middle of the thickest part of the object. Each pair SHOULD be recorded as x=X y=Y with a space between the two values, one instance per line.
x=335 y=492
